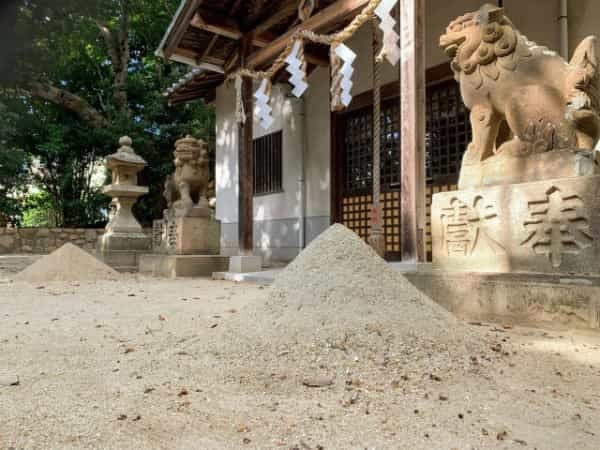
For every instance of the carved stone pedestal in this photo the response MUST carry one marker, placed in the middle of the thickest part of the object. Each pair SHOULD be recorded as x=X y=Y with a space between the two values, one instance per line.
x=550 y=226
x=196 y=235
x=185 y=247
x=504 y=169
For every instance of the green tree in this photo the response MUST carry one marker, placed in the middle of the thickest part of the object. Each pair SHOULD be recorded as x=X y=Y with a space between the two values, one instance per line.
x=77 y=76
x=13 y=170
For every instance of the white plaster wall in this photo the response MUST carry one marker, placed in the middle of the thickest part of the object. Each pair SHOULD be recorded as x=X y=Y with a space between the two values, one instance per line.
x=286 y=111
x=286 y=114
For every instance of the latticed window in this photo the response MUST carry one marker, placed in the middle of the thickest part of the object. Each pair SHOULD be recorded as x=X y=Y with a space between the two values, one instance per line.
x=448 y=134
x=268 y=164
x=358 y=140
x=448 y=131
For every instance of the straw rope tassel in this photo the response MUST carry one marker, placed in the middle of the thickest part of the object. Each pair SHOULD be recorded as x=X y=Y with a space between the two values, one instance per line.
x=240 y=114
x=336 y=80
x=330 y=39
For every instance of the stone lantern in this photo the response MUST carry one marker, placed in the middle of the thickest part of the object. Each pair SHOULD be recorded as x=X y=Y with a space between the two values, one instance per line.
x=124 y=239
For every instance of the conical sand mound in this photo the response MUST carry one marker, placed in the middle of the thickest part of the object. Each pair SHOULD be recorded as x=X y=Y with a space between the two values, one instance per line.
x=339 y=304
x=68 y=263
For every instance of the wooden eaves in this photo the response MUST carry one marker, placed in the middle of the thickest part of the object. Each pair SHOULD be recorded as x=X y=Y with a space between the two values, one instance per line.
x=207 y=35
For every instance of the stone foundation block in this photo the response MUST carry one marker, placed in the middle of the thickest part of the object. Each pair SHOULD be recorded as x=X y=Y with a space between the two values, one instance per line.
x=122 y=251
x=176 y=266
x=550 y=226
x=572 y=301
x=245 y=264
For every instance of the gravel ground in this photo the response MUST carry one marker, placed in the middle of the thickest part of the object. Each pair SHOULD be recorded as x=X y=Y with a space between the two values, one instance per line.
x=324 y=363
x=11 y=264
x=142 y=363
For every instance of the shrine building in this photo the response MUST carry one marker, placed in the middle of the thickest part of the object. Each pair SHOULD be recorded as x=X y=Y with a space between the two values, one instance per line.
x=312 y=167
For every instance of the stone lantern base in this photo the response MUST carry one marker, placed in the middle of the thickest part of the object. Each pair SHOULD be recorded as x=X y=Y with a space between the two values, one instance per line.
x=122 y=251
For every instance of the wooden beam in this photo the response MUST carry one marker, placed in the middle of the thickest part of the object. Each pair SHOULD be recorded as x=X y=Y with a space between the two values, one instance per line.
x=216 y=61
x=209 y=47
x=218 y=24
x=179 y=28
x=190 y=57
x=231 y=61
x=246 y=165
x=329 y=16
x=215 y=38
x=284 y=11
x=225 y=26
x=412 y=117
x=317 y=60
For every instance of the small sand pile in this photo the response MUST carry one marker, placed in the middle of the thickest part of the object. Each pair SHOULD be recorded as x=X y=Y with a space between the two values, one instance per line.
x=68 y=263
x=339 y=307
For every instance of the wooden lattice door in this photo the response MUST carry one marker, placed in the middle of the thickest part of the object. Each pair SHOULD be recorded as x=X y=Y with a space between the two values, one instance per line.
x=357 y=173
x=448 y=133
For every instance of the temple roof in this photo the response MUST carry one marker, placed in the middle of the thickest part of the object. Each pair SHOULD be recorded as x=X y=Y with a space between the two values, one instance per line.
x=207 y=35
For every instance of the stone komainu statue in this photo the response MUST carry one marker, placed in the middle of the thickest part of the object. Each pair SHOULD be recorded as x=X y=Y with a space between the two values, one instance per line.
x=186 y=190
x=523 y=98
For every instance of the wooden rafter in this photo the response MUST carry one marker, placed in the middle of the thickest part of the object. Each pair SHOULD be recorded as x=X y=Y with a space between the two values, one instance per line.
x=328 y=17
x=209 y=47
x=285 y=10
x=232 y=60
x=232 y=11
x=224 y=26
x=180 y=28
x=217 y=24
x=190 y=57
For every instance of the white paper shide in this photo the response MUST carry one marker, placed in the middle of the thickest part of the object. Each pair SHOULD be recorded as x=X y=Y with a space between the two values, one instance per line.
x=263 y=110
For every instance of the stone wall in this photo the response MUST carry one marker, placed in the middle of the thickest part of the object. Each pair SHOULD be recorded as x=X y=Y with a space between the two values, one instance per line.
x=45 y=240
x=23 y=241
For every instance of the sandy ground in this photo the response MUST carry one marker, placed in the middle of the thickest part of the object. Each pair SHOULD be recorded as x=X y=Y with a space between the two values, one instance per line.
x=120 y=365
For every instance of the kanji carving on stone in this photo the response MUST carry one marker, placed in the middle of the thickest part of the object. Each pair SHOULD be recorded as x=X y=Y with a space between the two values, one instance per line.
x=465 y=228
x=557 y=225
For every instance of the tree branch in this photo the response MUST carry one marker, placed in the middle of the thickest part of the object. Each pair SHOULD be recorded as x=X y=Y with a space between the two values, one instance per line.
x=122 y=46
x=68 y=101
x=109 y=40
x=117 y=44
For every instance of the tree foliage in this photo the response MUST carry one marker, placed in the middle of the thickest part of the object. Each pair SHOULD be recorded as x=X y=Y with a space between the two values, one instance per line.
x=75 y=76
x=13 y=168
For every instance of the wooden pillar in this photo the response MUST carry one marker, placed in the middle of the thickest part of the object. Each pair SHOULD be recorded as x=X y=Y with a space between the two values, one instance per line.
x=412 y=113
x=246 y=167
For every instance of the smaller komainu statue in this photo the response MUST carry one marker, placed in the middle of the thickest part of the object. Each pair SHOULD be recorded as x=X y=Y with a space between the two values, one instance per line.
x=186 y=190
x=524 y=99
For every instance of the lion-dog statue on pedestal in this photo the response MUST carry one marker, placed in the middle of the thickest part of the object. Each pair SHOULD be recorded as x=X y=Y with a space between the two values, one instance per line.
x=186 y=190
x=524 y=99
